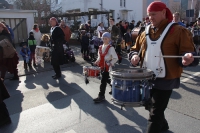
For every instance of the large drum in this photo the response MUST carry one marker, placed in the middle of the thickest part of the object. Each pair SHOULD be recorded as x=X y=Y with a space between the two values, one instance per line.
x=130 y=87
x=42 y=54
x=136 y=31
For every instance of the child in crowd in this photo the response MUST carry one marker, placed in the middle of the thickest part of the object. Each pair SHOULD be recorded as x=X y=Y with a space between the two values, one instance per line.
x=107 y=57
x=25 y=52
x=85 y=44
x=45 y=41
x=32 y=46
x=92 y=50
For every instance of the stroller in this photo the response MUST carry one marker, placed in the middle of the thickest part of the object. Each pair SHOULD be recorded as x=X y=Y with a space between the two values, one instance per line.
x=97 y=42
x=68 y=54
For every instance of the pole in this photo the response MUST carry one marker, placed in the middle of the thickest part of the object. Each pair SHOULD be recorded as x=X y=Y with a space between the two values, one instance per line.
x=171 y=56
x=101 y=10
x=190 y=11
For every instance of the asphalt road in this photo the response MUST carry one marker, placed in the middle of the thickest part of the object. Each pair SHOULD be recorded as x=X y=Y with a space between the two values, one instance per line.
x=39 y=104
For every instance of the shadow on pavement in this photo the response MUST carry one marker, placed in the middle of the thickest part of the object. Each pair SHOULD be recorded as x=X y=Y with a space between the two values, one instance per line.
x=175 y=95
x=85 y=103
x=14 y=105
x=197 y=92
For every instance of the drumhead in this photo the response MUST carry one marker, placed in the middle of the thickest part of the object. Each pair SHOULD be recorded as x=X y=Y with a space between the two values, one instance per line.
x=132 y=73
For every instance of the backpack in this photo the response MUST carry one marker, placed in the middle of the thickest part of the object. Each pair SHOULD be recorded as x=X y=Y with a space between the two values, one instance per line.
x=8 y=49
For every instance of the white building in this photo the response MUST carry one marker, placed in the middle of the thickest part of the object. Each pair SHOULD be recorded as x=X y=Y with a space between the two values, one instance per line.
x=120 y=9
x=21 y=21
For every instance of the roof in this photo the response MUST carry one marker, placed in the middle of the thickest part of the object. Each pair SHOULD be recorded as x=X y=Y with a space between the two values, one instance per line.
x=77 y=14
x=15 y=10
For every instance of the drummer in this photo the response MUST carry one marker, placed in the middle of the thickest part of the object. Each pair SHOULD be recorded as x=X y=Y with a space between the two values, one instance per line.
x=176 y=42
x=107 y=57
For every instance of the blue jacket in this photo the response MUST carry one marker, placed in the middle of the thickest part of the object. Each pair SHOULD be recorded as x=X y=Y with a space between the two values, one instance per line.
x=182 y=24
x=24 y=52
x=11 y=32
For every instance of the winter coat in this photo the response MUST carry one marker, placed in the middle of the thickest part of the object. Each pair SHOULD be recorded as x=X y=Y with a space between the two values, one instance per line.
x=24 y=52
x=57 y=40
x=127 y=37
x=32 y=45
x=67 y=33
x=45 y=44
x=85 y=42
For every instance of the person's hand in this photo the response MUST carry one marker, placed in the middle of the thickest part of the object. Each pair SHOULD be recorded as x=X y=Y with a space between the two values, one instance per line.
x=187 y=59
x=96 y=63
x=134 y=60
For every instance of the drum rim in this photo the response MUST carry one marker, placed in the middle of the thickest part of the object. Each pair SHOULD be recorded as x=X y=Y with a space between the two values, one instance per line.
x=133 y=78
x=130 y=104
x=148 y=74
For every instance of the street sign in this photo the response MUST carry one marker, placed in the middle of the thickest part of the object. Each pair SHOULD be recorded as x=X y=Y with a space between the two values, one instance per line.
x=190 y=13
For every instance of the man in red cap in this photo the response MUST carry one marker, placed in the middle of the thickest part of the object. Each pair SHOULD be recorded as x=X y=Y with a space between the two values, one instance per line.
x=162 y=38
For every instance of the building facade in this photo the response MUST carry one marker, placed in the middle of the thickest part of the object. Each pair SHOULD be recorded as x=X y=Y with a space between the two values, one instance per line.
x=178 y=6
x=21 y=21
x=127 y=10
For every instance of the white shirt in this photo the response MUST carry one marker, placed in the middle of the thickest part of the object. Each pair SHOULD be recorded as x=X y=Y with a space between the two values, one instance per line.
x=37 y=36
x=111 y=56
x=100 y=30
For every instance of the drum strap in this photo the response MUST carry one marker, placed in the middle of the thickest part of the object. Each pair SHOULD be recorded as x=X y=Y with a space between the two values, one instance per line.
x=157 y=65
x=102 y=63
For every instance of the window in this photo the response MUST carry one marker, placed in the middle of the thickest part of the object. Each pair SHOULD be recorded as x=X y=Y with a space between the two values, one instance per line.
x=56 y=1
x=124 y=3
x=111 y=15
x=121 y=3
x=93 y=10
x=36 y=14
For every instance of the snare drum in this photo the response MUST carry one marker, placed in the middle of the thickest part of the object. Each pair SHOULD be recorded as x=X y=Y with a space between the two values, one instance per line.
x=130 y=87
x=91 y=71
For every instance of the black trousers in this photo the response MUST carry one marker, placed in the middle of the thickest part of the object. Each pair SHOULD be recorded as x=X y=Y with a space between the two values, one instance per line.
x=105 y=79
x=92 y=55
x=157 y=121
x=4 y=115
x=85 y=52
x=57 y=70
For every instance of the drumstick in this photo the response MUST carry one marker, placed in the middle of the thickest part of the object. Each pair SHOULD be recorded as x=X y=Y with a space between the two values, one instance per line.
x=169 y=56
x=140 y=50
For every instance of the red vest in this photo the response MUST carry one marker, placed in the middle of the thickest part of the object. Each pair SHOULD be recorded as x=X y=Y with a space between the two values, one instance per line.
x=102 y=63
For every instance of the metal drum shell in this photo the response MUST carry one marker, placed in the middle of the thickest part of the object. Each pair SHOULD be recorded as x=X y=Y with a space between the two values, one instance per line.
x=91 y=71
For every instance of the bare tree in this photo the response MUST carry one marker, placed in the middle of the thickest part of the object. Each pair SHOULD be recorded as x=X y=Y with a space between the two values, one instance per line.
x=42 y=6
x=4 y=4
